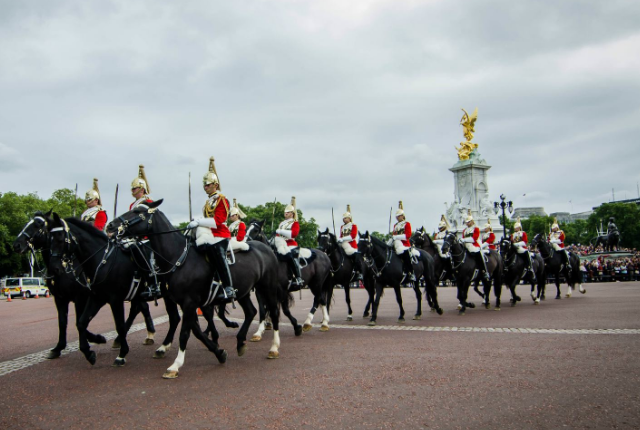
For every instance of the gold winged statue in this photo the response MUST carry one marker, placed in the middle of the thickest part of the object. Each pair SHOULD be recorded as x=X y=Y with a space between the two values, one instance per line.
x=468 y=123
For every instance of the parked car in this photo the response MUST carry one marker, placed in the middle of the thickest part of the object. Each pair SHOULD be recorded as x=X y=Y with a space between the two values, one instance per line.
x=30 y=287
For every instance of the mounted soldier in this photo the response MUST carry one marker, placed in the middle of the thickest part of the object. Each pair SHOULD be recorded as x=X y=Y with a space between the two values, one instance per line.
x=237 y=228
x=473 y=243
x=212 y=233
x=140 y=191
x=402 y=245
x=520 y=241
x=488 y=238
x=612 y=228
x=94 y=213
x=348 y=240
x=438 y=240
x=556 y=239
x=286 y=245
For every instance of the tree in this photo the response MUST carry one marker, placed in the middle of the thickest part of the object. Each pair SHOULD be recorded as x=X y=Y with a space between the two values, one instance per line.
x=536 y=224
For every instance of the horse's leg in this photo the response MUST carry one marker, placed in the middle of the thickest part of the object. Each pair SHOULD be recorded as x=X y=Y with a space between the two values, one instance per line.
x=371 y=293
x=98 y=339
x=308 y=323
x=174 y=320
x=569 y=284
x=62 y=306
x=431 y=289
x=416 y=289
x=189 y=324
x=148 y=322
x=207 y=313
x=272 y=305
x=486 y=286
x=497 y=291
x=376 y=302
x=249 y=313
x=222 y=314
x=91 y=309
x=558 y=292
x=285 y=304
x=262 y=312
x=396 y=289
x=117 y=310
x=134 y=310
x=327 y=294
x=347 y=297
x=476 y=284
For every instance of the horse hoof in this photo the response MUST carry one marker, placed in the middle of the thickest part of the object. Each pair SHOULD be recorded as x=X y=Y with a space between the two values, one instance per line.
x=100 y=339
x=567 y=295
x=158 y=354
x=401 y=320
x=53 y=354
x=433 y=310
x=513 y=303
x=487 y=306
x=91 y=358
x=268 y=327
x=518 y=299
x=460 y=312
x=255 y=338
x=558 y=297
x=170 y=374
x=471 y=305
x=440 y=311
x=306 y=327
x=349 y=318
x=324 y=328
x=371 y=323
x=118 y=362
x=298 y=330
x=366 y=315
x=417 y=317
x=496 y=309
x=536 y=302
x=115 y=345
x=242 y=350
x=222 y=357
x=459 y=307
x=542 y=298
x=533 y=297
x=273 y=355
x=148 y=341
x=583 y=291
x=233 y=324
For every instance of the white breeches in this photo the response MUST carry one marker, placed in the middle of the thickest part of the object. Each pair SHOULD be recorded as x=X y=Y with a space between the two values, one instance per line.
x=557 y=247
x=471 y=247
x=282 y=247
x=238 y=246
x=399 y=247
x=205 y=237
x=521 y=250
x=348 y=249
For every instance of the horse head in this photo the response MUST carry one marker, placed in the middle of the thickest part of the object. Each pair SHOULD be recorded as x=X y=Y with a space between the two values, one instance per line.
x=255 y=230
x=365 y=247
x=62 y=247
x=450 y=240
x=419 y=238
x=34 y=233
x=136 y=222
x=326 y=241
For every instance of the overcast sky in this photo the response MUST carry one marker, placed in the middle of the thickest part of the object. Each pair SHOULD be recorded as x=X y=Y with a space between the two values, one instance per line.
x=332 y=101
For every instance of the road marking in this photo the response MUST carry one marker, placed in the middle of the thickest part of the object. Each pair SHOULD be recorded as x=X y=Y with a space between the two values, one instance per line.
x=490 y=330
x=38 y=357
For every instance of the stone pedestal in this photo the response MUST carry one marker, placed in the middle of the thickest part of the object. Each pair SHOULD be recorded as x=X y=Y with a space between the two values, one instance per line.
x=472 y=192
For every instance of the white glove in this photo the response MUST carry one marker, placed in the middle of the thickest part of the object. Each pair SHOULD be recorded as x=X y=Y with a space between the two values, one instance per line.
x=520 y=244
x=555 y=241
x=468 y=240
x=340 y=239
x=193 y=224
x=390 y=242
x=400 y=237
x=207 y=222
x=439 y=241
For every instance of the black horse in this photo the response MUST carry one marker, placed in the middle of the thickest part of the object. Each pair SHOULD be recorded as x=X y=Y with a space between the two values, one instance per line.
x=515 y=270
x=609 y=242
x=316 y=275
x=467 y=271
x=387 y=268
x=554 y=265
x=107 y=270
x=342 y=271
x=190 y=278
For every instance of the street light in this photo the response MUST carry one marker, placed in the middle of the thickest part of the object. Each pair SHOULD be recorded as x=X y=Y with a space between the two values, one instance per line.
x=502 y=206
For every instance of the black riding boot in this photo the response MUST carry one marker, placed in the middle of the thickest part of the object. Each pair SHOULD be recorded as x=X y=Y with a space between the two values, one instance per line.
x=217 y=254
x=482 y=265
x=408 y=267
x=296 y=273
x=358 y=266
x=530 y=267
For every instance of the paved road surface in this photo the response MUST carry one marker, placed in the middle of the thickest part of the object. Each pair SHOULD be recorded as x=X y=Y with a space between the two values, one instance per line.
x=570 y=363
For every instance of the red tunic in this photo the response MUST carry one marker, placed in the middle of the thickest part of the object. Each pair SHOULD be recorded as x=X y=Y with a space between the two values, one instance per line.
x=407 y=233
x=240 y=232
x=220 y=212
x=131 y=206
x=491 y=240
x=561 y=237
x=475 y=235
x=353 y=234
x=101 y=220
x=295 y=231
x=523 y=238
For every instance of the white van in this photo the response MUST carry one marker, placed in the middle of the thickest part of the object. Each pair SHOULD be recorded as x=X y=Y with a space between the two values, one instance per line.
x=30 y=286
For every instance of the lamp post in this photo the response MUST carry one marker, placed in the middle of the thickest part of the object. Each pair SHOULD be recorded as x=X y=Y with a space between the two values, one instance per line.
x=502 y=206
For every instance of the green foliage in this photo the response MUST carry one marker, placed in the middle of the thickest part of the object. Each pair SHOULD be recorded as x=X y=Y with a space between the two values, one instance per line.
x=273 y=214
x=536 y=224
x=16 y=211
x=382 y=236
x=576 y=232
x=627 y=218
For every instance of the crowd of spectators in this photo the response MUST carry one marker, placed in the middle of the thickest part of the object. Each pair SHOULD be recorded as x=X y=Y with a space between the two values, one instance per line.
x=590 y=249
x=608 y=268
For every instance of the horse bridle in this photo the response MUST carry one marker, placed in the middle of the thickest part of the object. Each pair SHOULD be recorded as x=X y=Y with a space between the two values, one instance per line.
x=373 y=265
x=68 y=263
x=332 y=246
x=463 y=253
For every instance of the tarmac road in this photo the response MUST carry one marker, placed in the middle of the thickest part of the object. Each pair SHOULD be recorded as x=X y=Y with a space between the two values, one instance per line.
x=570 y=363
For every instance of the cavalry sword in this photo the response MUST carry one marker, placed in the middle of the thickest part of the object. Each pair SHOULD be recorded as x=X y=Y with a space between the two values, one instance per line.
x=115 y=204
x=390 y=210
x=273 y=215
x=334 y=223
x=75 y=201
x=190 y=214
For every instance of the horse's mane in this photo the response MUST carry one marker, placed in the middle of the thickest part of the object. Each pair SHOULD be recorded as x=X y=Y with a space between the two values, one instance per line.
x=377 y=241
x=86 y=227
